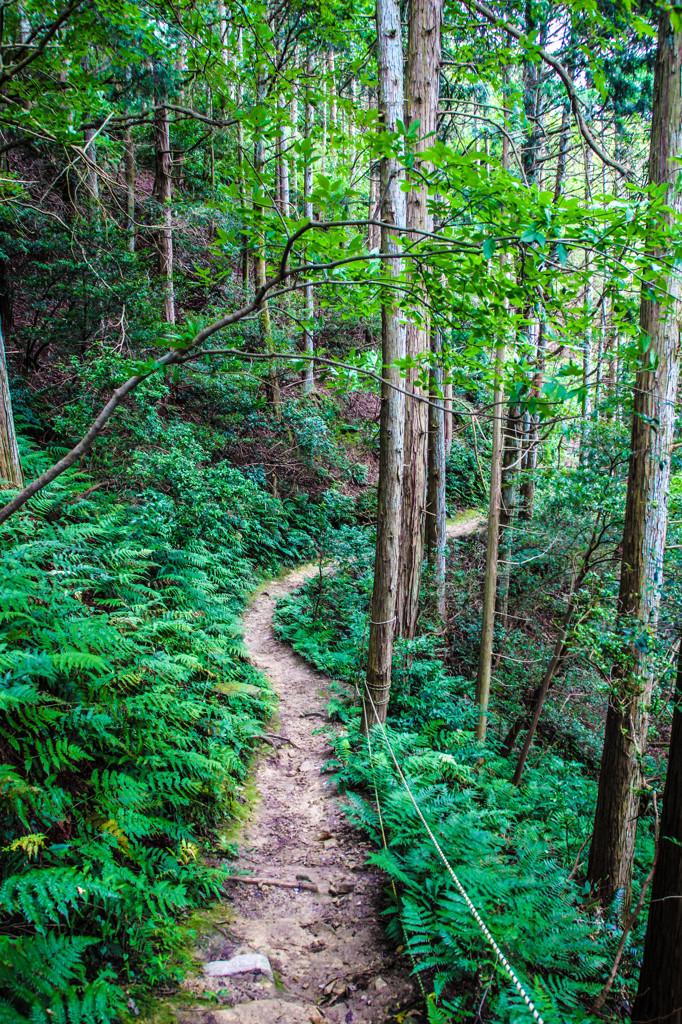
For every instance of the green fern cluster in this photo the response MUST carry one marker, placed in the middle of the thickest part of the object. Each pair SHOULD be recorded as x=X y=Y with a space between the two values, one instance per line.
x=127 y=717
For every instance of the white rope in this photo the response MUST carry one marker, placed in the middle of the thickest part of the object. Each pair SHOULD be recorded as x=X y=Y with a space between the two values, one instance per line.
x=509 y=970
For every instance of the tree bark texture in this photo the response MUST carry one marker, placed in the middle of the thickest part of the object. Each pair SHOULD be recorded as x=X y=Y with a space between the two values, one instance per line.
x=659 y=994
x=163 y=193
x=615 y=823
x=10 y=462
x=421 y=104
x=392 y=422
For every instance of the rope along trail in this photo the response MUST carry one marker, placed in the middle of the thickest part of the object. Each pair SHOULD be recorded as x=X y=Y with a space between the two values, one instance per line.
x=501 y=958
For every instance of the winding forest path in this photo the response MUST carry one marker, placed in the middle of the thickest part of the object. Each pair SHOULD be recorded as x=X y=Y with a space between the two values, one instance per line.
x=320 y=928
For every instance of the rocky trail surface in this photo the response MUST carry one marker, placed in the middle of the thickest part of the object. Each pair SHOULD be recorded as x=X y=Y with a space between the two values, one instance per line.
x=301 y=937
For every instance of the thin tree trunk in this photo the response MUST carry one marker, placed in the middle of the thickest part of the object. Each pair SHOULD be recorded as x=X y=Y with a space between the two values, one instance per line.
x=91 y=175
x=449 y=431
x=309 y=125
x=562 y=158
x=240 y=159
x=267 y=339
x=495 y=502
x=532 y=166
x=422 y=86
x=646 y=514
x=543 y=690
x=293 y=115
x=163 y=193
x=10 y=462
x=530 y=459
x=333 y=105
x=351 y=119
x=485 y=654
x=392 y=427
x=587 y=405
x=510 y=465
x=601 y=343
x=325 y=113
x=283 y=144
x=129 y=161
x=374 y=240
x=659 y=993
x=436 y=539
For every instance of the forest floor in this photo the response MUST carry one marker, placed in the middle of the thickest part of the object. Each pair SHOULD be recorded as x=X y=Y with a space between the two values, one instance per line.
x=312 y=906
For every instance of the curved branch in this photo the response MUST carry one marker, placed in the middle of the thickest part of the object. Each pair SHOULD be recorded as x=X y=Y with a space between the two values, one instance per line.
x=565 y=77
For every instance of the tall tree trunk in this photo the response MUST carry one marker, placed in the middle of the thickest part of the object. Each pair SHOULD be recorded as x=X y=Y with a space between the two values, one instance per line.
x=309 y=125
x=564 y=146
x=374 y=233
x=436 y=539
x=510 y=466
x=265 y=322
x=422 y=84
x=530 y=458
x=129 y=162
x=659 y=994
x=495 y=503
x=293 y=115
x=163 y=193
x=324 y=90
x=91 y=174
x=283 y=157
x=485 y=654
x=351 y=120
x=333 y=104
x=240 y=158
x=646 y=514
x=392 y=425
x=449 y=426
x=588 y=299
x=10 y=462
x=532 y=166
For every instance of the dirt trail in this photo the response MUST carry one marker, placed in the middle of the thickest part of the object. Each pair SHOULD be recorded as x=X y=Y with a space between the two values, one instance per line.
x=324 y=938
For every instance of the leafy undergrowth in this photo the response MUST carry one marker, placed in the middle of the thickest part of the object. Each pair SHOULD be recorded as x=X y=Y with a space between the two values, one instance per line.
x=127 y=719
x=513 y=848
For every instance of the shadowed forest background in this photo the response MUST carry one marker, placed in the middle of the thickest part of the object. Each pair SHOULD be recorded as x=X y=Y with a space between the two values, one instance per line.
x=287 y=282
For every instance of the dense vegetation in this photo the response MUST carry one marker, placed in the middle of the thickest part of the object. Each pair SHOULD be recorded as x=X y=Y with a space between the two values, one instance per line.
x=296 y=282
